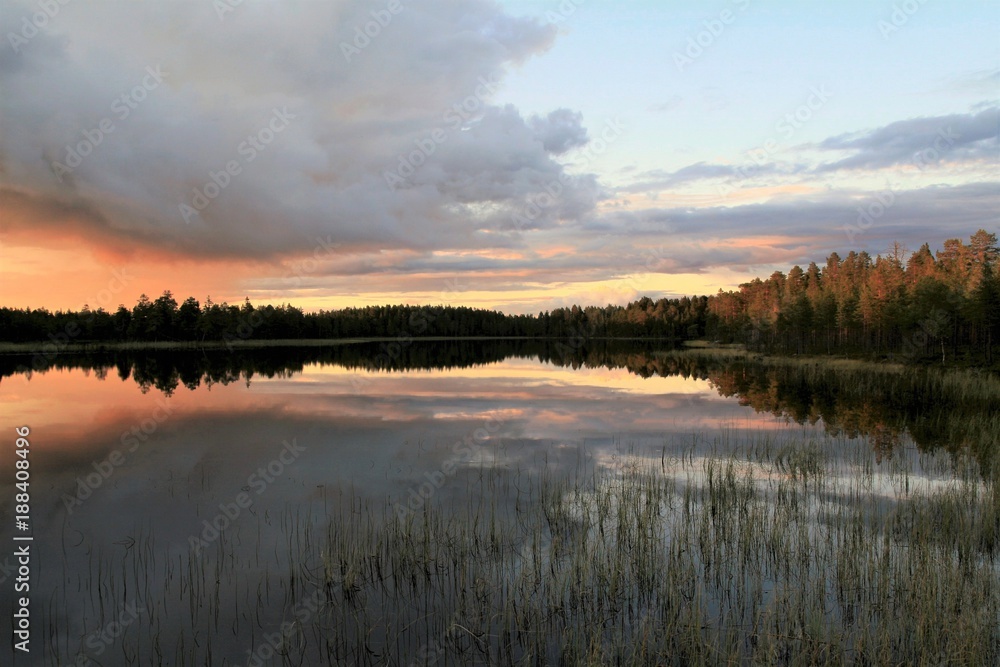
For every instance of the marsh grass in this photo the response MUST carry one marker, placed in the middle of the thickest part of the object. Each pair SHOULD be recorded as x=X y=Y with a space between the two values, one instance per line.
x=732 y=560
x=737 y=549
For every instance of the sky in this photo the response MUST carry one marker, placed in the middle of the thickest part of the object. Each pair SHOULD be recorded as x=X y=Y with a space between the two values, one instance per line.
x=510 y=155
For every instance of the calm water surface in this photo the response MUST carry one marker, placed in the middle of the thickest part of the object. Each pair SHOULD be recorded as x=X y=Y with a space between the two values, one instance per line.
x=133 y=486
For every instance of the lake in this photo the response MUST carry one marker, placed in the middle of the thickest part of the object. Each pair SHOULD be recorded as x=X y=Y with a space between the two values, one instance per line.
x=502 y=502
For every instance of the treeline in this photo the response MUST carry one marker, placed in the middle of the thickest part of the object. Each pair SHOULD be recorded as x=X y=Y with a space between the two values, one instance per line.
x=163 y=319
x=928 y=305
x=941 y=305
x=166 y=370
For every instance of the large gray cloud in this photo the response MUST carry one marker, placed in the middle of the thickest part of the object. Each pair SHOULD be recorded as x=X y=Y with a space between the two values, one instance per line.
x=380 y=130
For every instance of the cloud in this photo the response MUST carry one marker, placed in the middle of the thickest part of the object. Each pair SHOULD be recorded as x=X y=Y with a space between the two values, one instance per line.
x=299 y=121
x=495 y=166
x=784 y=231
x=658 y=243
x=954 y=138
x=980 y=82
x=277 y=125
x=657 y=180
x=972 y=138
x=941 y=208
x=560 y=131
x=669 y=104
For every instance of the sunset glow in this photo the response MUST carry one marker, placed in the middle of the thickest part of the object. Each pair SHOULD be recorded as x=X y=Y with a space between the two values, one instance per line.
x=516 y=155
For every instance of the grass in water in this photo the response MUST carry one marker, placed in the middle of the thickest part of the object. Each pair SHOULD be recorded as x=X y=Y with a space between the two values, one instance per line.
x=732 y=550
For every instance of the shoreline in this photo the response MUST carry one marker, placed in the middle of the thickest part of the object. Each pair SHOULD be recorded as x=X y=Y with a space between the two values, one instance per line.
x=131 y=346
x=719 y=350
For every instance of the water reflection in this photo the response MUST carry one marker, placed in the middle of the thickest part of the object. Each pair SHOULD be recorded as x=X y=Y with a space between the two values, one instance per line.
x=886 y=406
x=198 y=497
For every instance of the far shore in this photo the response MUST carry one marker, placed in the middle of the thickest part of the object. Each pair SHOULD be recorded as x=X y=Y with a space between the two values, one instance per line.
x=250 y=344
x=733 y=351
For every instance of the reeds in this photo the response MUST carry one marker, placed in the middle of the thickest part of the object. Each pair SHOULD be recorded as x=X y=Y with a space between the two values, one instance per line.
x=743 y=549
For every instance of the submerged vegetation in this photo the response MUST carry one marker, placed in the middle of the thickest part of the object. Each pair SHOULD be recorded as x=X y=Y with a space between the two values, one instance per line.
x=717 y=549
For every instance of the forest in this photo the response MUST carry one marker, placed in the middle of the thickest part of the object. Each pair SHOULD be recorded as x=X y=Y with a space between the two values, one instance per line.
x=925 y=305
